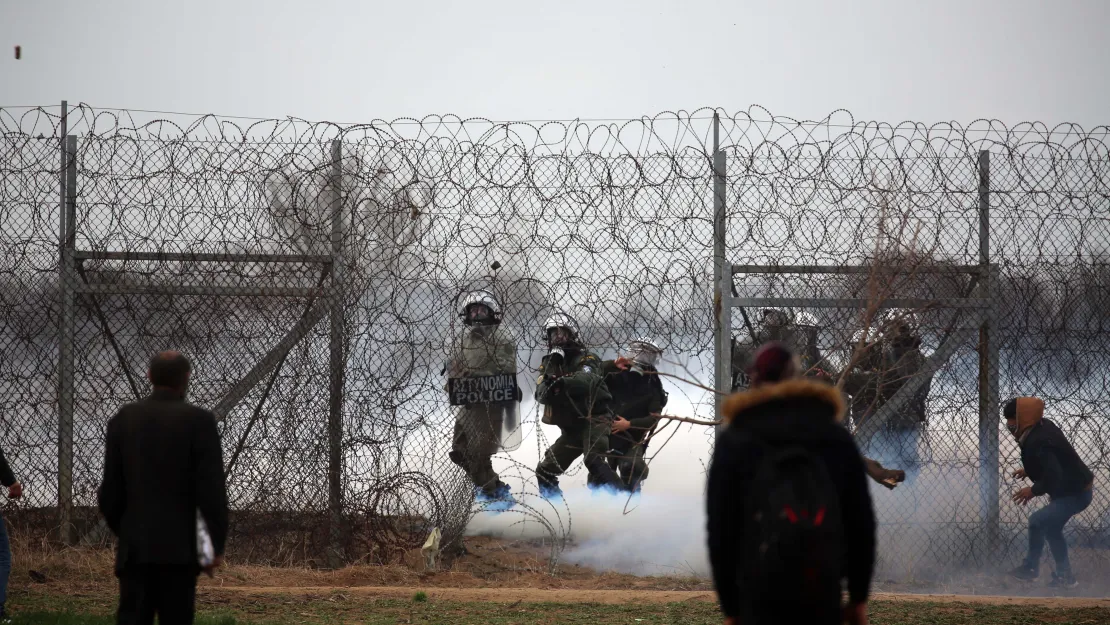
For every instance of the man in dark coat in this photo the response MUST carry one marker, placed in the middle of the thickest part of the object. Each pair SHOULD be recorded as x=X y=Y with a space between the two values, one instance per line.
x=162 y=465
x=15 y=491
x=781 y=410
x=1049 y=460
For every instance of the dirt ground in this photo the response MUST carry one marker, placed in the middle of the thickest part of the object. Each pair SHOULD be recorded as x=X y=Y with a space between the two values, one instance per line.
x=489 y=570
x=614 y=596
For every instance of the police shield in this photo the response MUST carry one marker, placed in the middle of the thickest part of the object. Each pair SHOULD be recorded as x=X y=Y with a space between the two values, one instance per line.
x=511 y=435
x=495 y=397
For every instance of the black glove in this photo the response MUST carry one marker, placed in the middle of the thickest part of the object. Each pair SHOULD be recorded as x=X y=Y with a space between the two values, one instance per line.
x=519 y=395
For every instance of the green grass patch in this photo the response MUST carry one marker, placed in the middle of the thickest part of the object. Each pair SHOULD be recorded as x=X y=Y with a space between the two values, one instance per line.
x=339 y=607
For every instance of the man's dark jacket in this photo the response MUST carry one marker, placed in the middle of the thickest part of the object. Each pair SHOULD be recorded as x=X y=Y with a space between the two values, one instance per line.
x=162 y=462
x=7 y=477
x=796 y=412
x=637 y=398
x=1049 y=459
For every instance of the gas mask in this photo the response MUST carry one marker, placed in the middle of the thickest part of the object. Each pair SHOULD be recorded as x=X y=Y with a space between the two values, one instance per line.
x=479 y=314
x=644 y=355
x=559 y=342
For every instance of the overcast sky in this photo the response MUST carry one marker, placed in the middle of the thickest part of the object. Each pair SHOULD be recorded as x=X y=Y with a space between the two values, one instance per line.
x=351 y=61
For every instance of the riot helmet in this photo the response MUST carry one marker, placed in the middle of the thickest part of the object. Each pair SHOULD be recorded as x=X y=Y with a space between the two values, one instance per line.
x=479 y=308
x=644 y=352
x=560 y=330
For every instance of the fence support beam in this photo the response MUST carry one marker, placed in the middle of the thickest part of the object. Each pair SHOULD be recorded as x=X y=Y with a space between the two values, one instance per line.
x=271 y=360
x=66 y=327
x=722 y=313
x=863 y=303
x=988 y=373
x=338 y=363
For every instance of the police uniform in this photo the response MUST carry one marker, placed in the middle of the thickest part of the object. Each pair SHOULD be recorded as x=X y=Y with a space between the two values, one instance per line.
x=797 y=338
x=639 y=398
x=881 y=373
x=483 y=351
x=573 y=392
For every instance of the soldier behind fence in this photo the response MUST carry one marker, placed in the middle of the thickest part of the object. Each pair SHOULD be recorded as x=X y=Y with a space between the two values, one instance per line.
x=638 y=398
x=575 y=398
x=797 y=332
x=880 y=371
x=483 y=349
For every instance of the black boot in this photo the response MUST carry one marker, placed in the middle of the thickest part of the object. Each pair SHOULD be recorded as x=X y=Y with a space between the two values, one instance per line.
x=604 y=474
x=549 y=485
x=458 y=459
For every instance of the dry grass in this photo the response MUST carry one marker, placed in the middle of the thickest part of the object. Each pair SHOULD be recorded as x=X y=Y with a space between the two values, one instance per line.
x=494 y=581
x=486 y=562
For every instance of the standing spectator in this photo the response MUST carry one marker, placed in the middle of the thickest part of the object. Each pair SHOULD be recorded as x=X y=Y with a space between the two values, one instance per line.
x=789 y=512
x=1050 y=461
x=15 y=491
x=162 y=464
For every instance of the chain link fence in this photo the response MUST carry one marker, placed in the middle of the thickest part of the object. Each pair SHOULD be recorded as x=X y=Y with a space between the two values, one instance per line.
x=310 y=270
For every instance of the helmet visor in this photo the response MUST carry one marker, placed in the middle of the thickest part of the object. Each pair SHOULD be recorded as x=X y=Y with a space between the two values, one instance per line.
x=644 y=355
x=559 y=336
x=478 y=313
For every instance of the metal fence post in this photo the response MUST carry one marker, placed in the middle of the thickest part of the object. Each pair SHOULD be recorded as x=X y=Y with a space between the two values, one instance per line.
x=988 y=374
x=722 y=354
x=337 y=364
x=67 y=274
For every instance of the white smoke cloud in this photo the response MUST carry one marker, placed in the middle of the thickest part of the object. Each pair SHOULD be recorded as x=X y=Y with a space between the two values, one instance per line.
x=658 y=533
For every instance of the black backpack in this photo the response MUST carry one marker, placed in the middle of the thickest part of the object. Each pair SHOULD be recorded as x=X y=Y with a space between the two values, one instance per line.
x=793 y=530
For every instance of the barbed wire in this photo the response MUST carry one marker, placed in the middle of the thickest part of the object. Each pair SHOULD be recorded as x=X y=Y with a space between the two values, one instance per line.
x=608 y=220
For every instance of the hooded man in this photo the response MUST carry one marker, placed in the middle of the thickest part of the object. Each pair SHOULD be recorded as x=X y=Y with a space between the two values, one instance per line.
x=1049 y=460
x=789 y=512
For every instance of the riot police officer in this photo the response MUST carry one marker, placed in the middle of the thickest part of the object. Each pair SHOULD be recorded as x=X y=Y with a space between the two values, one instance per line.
x=638 y=399
x=798 y=333
x=575 y=398
x=885 y=366
x=484 y=417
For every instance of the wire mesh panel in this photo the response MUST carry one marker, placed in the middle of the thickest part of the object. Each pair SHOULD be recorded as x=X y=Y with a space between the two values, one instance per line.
x=310 y=270
x=905 y=203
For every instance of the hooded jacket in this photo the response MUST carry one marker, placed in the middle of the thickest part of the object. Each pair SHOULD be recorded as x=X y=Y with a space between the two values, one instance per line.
x=1047 y=456
x=802 y=412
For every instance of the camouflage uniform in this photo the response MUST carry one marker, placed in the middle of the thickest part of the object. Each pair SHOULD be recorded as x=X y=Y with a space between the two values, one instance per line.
x=881 y=373
x=798 y=339
x=575 y=398
x=478 y=427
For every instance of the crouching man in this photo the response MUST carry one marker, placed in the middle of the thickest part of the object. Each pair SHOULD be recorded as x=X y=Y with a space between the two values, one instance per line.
x=1049 y=460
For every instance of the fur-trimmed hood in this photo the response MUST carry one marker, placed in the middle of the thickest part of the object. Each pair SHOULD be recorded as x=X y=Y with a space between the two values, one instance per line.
x=818 y=395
